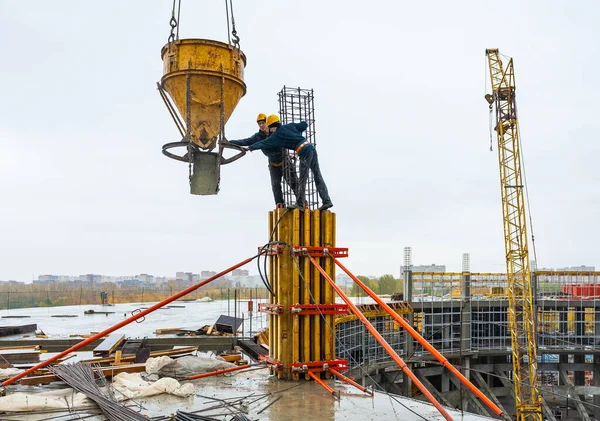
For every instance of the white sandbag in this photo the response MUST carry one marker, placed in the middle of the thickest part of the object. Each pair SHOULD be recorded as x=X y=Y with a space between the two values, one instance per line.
x=7 y=373
x=153 y=365
x=189 y=365
x=131 y=385
x=53 y=399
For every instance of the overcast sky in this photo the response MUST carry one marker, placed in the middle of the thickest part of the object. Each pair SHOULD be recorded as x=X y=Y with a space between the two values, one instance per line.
x=402 y=132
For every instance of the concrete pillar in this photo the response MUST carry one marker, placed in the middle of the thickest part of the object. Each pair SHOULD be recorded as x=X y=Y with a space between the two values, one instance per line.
x=466 y=371
x=579 y=376
x=465 y=293
x=445 y=383
x=562 y=359
x=596 y=383
x=408 y=340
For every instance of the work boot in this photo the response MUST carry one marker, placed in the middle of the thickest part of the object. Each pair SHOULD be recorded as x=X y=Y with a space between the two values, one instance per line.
x=326 y=206
x=296 y=206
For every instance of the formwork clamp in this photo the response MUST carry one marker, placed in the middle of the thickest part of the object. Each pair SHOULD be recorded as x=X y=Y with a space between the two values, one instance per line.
x=314 y=309
x=335 y=252
x=270 y=308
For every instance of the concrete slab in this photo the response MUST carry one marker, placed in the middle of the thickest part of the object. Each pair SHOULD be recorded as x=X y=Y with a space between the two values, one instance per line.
x=302 y=400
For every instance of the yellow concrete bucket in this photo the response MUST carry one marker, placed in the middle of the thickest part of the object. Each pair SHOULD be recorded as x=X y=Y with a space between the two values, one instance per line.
x=205 y=81
x=211 y=67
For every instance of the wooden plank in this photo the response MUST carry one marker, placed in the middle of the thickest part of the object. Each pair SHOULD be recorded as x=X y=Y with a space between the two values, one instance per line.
x=177 y=351
x=20 y=356
x=106 y=371
x=31 y=347
x=109 y=345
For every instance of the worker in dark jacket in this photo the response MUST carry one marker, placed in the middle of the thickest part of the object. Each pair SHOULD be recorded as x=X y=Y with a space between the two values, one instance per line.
x=277 y=157
x=289 y=136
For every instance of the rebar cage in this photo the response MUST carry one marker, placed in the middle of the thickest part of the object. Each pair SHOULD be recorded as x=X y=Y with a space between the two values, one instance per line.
x=296 y=105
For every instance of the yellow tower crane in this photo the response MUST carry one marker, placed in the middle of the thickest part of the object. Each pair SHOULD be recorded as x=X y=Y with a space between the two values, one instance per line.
x=521 y=316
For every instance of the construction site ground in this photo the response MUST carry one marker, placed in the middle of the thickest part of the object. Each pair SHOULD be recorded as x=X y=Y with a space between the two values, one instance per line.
x=288 y=400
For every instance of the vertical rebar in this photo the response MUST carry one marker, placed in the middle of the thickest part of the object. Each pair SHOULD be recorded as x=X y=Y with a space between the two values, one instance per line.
x=296 y=105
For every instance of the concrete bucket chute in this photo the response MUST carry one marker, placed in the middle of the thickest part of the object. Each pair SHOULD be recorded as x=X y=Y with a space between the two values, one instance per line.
x=202 y=83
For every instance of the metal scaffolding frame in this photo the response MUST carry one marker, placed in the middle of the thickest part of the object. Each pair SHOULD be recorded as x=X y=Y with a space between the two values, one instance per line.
x=567 y=316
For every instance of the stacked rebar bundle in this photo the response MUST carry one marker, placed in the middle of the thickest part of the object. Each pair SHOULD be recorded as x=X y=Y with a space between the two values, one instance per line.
x=82 y=378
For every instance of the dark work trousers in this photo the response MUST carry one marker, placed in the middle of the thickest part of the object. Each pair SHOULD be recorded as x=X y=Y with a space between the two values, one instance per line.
x=310 y=160
x=277 y=174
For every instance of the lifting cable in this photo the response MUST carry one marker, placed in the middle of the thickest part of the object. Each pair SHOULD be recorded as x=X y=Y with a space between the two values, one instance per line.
x=233 y=34
x=174 y=22
x=485 y=94
x=526 y=193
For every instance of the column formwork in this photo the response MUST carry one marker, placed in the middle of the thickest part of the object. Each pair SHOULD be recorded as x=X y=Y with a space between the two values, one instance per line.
x=300 y=331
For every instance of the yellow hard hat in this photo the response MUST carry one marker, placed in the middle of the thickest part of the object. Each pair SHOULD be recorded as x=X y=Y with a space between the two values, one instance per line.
x=261 y=117
x=273 y=118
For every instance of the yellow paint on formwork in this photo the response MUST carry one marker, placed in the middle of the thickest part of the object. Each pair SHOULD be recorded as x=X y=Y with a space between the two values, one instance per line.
x=315 y=287
x=297 y=338
x=306 y=292
x=327 y=226
x=211 y=66
x=271 y=319
x=295 y=291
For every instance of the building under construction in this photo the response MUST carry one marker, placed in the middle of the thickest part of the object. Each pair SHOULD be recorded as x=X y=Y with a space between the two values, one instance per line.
x=464 y=315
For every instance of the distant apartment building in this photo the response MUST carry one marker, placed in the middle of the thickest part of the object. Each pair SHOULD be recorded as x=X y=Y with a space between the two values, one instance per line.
x=46 y=279
x=129 y=283
x=145 y=278
x=582 y=268
x=207 y=274
x=423 y=268
x=240 y=272
x=184 y=276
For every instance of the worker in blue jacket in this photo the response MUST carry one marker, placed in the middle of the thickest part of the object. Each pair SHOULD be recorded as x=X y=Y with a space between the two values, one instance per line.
x=276 y=157
x=289 y=136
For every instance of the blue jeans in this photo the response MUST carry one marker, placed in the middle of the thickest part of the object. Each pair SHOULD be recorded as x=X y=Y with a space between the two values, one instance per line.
x=310 y=160
x=277 y=174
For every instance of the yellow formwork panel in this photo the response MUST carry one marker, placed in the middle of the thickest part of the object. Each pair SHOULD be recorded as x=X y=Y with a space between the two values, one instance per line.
x=316 y=289
x=305 y=290
x=327 y=293
x=272 y=300
x=211 y=70
x=284 y=269
x=300 y=337
x=295 y=292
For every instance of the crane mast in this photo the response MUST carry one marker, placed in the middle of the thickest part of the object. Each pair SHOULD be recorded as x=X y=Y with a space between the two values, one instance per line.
x=521 y=314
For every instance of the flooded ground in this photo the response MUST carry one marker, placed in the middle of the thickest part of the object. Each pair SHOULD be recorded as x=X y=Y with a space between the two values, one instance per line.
x=193 y=315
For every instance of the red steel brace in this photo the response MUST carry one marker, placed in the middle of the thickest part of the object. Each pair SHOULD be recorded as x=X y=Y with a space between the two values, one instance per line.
x=275 y=365
x=319 y=366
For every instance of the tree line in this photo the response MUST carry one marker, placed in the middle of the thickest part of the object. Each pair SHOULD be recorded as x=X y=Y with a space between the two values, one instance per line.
x=54 y=294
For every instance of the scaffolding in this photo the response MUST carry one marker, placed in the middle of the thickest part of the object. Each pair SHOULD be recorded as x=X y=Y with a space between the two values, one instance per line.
x=567 y=315
x=296 y=105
